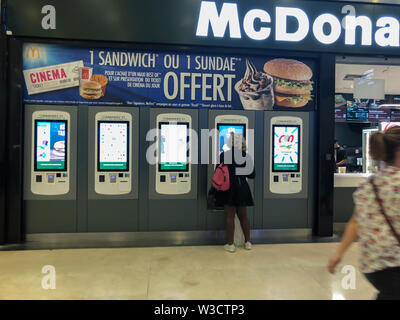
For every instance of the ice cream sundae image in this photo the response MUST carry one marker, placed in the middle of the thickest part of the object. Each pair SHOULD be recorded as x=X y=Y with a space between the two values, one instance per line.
x=255 y=89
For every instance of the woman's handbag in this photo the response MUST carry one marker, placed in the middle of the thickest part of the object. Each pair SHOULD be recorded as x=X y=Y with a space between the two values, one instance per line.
x=380 y=202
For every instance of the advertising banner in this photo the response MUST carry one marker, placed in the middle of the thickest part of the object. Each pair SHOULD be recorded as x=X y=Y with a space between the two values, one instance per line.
x=55 y=74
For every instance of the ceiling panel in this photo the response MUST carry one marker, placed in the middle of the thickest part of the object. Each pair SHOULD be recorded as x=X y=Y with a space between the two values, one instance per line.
x=391 y=75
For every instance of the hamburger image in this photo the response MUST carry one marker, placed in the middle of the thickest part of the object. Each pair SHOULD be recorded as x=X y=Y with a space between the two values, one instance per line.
x=292 y=85
x=102 y=80
x=90 y=89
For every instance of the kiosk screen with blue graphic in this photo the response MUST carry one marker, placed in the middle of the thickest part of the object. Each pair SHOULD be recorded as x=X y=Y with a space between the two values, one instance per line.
x=286 y=155
x=50 y=145
x=224 y=132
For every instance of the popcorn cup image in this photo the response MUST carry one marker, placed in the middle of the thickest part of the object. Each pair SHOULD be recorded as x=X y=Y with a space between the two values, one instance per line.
x=85 y=73
x=255 y=89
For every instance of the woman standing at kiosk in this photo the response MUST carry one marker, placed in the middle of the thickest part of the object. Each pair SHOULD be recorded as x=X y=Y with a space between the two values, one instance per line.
x=238 y=197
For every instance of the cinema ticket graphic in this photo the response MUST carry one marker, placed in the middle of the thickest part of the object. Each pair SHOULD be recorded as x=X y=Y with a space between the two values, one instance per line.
x=55 y=77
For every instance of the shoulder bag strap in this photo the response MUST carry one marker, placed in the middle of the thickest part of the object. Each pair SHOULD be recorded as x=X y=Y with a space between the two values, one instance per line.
x=380 y=202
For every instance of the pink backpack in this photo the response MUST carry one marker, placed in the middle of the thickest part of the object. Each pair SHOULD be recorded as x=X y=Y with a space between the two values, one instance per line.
x=220 y=180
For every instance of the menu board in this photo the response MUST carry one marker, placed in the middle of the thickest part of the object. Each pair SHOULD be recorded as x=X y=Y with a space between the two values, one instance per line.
x=50 y=145
x=340 y=113
x=357 y=114
x=113 y=146
x=378 y=115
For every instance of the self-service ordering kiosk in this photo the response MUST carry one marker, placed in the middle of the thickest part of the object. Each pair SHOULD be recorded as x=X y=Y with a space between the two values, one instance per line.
x=50 y=167
x=173 y=171
x=286 y=155
x=113 y=150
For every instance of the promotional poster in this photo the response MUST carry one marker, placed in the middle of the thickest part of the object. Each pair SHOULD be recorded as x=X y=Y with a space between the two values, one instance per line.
x=55 y=74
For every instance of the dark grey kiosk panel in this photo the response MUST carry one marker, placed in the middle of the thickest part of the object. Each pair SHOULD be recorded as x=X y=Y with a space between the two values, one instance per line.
x=224 y=122
x=288 y=180
x=50 y=169
x=173 y=204
x=113 y=166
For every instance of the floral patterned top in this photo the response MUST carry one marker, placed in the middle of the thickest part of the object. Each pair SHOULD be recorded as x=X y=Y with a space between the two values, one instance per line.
x=379 y=247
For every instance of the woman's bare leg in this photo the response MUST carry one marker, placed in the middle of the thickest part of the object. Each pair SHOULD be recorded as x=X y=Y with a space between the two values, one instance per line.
x=244 y=222
x=229 y=223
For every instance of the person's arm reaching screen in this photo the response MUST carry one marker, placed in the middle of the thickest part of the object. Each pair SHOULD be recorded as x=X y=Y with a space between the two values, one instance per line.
x=348 y=238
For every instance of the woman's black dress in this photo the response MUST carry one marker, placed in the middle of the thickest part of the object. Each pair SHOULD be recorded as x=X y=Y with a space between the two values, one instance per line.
x=239 y=194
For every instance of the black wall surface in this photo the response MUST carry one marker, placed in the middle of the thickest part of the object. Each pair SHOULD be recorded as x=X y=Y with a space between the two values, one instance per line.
x=3 y=116
x=326 y=129
x=14 y=142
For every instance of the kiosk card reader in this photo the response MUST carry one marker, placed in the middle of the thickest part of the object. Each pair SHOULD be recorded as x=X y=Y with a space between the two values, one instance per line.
x=227 y=124
x=50 y=174
x=113 y=167
x=286 y=155
x=173 y=173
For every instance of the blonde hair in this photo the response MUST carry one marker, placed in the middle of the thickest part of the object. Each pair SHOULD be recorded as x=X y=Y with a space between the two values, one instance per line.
x=237 y=141
x=384 y=145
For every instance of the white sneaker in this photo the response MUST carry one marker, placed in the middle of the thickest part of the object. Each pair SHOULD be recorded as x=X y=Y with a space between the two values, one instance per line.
x=230 y=247
x=247 y=245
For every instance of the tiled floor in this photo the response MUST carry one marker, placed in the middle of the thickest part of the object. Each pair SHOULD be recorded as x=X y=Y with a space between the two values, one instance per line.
x=275 y=271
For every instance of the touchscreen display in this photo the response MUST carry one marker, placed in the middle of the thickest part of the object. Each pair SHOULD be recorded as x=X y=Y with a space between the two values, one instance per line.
x=113 y=140
x=50 y=145
x=224 y=133
x=173 y=146
x=286 y=153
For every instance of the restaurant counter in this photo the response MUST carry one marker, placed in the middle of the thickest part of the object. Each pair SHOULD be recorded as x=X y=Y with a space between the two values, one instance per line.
x=344 y=186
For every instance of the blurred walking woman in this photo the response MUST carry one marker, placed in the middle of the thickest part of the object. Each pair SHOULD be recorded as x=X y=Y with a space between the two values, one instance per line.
x=238 y=197
x=376 y=219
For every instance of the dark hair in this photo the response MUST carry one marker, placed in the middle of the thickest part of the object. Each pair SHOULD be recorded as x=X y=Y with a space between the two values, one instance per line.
x=336 y=140
x=383 y=145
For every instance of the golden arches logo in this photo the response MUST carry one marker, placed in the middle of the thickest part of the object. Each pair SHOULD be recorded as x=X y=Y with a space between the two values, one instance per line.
x=32 y=51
